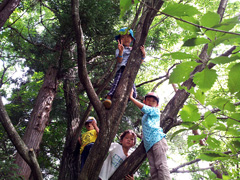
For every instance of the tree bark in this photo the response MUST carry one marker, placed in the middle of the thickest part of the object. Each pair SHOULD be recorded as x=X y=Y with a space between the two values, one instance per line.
x=27 y=154
x=6 y=9
x=69 y=163
x=39 y=118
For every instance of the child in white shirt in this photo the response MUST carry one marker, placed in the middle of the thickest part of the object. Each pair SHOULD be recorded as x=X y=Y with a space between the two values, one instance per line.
x=117 y=154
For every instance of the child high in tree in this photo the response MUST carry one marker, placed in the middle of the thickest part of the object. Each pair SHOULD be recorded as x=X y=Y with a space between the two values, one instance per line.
x=124 y=39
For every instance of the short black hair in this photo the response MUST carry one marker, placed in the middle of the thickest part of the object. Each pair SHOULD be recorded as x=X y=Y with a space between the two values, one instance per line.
x=129 y=131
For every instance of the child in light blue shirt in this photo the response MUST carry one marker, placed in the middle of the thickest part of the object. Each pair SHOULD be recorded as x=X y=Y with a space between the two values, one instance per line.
x=153 y=137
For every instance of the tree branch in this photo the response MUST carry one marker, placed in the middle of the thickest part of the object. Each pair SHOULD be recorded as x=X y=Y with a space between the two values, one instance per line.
x=28 y=155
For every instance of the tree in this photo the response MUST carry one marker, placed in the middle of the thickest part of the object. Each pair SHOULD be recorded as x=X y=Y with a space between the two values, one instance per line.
x=195 y=74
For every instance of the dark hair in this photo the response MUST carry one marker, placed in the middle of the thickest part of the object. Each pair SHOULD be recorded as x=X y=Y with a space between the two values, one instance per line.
x=130 y=132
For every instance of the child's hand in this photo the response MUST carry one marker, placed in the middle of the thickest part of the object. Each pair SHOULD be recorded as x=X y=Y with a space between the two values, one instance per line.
x=94 y=123
x=120 y=47
x=131 y=94
x=128 y=177
x=142 y=48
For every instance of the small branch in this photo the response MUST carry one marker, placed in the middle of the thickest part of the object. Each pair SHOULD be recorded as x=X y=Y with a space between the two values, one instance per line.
x=183 y=165
x=190 y=171
x=203 y=27
x=146 y=82
x=160 y=77
x=39 y=45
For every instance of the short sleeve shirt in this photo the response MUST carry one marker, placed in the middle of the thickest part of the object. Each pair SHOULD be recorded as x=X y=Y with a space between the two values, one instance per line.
x=88 y=137
x=152 y=132
x=126 y=54
x=115 y=157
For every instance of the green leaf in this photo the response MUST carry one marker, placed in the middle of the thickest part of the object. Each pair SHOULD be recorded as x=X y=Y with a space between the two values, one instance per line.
x=223 y=104
x=210 y=119
x=213 y=143
x=179 y=9
x=190 y=113
x=220 y=127
x=182 y=72
x=188 y=124
x=181 y=55
x=194 y=139
x=209 y=20
x=227 y=24
x=226 y=177
x=235 y=119
x=205 y=79
x=237 y=49
x=177 y=132
x=224 y=59
x=213 y=155
x=125 y=5
x=227 y=39
x=234 y=78
x=187 y=26
x=210 y=48
x=195 y=41
x=233 y=131
x=236 y=144
x=199 y=95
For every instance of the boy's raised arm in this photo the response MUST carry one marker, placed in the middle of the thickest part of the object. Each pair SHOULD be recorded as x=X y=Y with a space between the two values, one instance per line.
x=136 y=102
x=95 y=126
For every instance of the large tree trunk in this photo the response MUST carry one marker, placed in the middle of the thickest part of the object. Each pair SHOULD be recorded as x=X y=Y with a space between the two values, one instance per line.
x=69 y=165
x=39 y=118
x=6 y=9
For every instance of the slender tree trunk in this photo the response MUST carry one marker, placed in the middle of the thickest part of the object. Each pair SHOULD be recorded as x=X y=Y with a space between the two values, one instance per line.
x=6 y=9
x=69 y=164
x=39 y=118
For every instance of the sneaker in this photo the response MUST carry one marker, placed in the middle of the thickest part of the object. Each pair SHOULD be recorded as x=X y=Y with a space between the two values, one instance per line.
x=107 y=103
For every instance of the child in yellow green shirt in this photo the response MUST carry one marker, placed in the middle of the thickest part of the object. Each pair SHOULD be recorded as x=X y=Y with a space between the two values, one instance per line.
x=88 y=139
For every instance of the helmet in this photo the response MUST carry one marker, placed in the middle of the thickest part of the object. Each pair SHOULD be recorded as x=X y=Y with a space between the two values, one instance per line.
x=90 y=119
x=152 y=94
x=124 y=31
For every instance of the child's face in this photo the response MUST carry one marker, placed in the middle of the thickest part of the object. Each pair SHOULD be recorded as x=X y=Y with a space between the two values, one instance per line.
x=150 y=101
x=128 y=141
x=126 y=39
x=89 y=126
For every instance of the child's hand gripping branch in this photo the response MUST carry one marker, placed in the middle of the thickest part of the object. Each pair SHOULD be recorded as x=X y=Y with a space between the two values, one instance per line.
x=136 y=102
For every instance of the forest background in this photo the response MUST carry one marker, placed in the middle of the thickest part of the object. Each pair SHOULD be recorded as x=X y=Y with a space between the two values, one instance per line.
x=57 y=64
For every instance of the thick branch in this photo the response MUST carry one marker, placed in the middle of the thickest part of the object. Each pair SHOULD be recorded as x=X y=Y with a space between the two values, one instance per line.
x=82 y=69
x=27 y=155
x=6 y=9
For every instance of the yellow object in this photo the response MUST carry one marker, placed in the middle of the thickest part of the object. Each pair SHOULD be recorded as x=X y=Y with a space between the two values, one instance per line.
x=88 y=137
